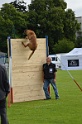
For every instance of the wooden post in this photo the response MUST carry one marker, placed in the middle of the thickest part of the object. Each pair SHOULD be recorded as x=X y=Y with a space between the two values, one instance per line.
x=47 y=53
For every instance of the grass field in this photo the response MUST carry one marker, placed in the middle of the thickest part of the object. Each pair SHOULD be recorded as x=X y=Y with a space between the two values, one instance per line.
x=66 y=110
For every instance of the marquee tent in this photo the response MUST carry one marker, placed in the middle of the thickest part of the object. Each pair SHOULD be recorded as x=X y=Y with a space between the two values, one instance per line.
x=72 y=60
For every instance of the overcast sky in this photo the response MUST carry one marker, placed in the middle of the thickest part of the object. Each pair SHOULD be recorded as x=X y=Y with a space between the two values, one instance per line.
x=75 y=5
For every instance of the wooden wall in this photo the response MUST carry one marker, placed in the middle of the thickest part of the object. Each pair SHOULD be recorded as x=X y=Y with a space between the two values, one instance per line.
x=26 y=74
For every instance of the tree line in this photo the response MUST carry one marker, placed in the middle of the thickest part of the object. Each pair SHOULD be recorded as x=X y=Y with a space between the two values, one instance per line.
x=46 y=17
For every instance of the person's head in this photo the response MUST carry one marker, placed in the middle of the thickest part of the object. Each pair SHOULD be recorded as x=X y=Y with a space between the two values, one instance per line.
x=48 y=60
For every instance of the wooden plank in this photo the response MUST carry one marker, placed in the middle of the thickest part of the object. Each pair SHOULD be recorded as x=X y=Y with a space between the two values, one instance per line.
x=30 y=94
x=19 y=98
x=27 y=68
x=20 y=52
x=31 y=90
x=31 y=78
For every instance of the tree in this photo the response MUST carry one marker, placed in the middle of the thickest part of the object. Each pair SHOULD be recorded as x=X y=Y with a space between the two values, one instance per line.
x=78 y=42
x=46 y=17
x=12 y=23
x=70 y=25
x=49 y=17
x=20 y=5
x=63 y=46
x=5 y=29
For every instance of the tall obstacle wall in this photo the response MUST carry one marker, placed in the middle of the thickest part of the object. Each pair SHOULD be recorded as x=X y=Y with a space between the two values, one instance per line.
x=26 y=75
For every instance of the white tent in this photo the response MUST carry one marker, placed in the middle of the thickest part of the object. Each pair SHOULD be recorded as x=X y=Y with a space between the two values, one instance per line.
x=72 y=60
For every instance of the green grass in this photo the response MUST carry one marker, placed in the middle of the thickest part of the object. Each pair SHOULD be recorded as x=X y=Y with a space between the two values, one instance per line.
x=66 y=110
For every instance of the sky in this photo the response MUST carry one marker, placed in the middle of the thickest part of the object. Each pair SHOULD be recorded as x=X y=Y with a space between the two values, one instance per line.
x=75 y=5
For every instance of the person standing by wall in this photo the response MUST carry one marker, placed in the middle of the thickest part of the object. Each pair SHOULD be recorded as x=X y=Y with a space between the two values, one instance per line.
x=49 y=75
x=4 y=91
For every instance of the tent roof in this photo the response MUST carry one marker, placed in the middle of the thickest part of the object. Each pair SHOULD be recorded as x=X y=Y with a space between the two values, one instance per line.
x=75 y=51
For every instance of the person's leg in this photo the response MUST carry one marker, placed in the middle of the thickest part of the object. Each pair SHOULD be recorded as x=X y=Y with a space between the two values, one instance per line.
x=55 y=88
x=3 y=112
x=45 y=88
x=4 y=119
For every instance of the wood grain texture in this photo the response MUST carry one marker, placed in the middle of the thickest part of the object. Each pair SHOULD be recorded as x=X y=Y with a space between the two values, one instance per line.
x=27 y=80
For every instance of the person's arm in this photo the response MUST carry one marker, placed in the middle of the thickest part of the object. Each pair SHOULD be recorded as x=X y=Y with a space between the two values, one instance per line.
x=43 y=73
x=43 y=76
x=54 y=76
x=55 y=70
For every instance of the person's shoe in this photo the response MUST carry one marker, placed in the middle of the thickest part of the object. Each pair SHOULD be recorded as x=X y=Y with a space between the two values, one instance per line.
x=57 y=98
x=47 y=99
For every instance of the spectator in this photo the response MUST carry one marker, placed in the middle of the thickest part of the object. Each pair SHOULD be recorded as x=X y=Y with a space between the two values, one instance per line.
x=4 y=90
x=49 y=75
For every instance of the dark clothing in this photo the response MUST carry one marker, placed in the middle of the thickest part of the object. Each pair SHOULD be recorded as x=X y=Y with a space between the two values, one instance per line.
x=3 y=115
x=3 y=103
x=4 y=84
x=49 y=76
x=47 y=82
x=4 y=90
x=49 y=70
